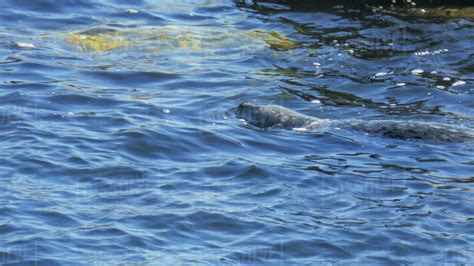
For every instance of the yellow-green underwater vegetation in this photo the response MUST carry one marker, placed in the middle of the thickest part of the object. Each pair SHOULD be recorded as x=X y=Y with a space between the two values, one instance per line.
x=186 y=38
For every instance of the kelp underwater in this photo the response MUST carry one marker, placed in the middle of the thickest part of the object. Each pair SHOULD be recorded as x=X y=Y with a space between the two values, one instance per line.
x=186 y=38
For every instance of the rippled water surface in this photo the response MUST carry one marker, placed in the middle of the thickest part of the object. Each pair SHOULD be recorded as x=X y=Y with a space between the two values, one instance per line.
x=120 y=145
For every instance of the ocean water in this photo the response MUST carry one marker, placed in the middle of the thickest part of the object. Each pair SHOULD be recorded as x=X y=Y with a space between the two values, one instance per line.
x=120 y=145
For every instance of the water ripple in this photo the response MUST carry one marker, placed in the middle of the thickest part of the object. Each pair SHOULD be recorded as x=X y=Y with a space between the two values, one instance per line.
x=120 y=144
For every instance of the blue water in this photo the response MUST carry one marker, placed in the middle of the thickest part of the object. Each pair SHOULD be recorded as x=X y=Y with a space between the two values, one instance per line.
x=131 y=154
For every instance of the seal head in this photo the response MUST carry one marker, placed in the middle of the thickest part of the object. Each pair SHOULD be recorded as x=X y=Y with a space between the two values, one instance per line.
x=267 y=116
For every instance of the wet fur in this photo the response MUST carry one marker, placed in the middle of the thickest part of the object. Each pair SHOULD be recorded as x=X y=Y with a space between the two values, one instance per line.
x=269 y=116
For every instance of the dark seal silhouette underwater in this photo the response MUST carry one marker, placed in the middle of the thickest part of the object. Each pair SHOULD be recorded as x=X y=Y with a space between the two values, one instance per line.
x=275 y=116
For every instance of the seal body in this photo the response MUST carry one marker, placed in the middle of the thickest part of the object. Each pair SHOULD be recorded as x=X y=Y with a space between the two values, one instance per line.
x=270 y=116
x=426 y=131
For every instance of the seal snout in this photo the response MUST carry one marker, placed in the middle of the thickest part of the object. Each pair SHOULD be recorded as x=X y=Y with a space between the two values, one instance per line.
x=250 y=112
x=245 y=105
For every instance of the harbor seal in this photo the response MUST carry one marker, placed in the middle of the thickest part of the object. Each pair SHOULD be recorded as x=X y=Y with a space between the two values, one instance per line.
x=275 y=116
